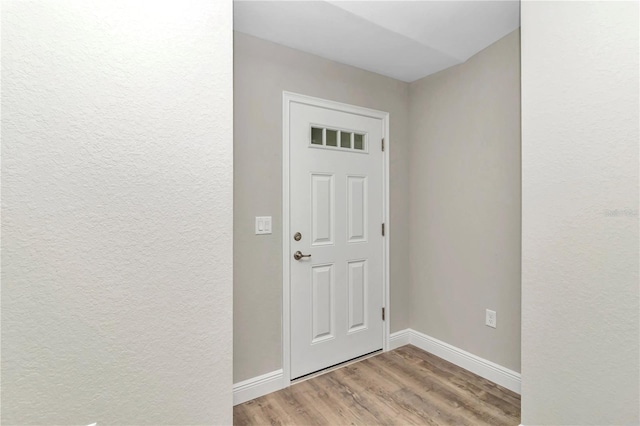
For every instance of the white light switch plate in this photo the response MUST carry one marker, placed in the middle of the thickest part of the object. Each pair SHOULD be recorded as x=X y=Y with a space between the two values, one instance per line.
x=263 y=225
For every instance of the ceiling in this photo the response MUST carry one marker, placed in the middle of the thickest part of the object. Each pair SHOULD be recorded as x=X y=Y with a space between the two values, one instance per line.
x=406 y=40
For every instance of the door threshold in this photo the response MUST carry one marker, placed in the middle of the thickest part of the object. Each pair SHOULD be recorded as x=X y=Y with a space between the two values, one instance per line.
x=335 y=367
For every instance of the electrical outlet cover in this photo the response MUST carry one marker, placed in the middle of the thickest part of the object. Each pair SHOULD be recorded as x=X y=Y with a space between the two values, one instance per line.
x=491 y=319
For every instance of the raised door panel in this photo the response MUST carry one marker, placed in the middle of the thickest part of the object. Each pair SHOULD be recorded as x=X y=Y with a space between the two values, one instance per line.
x=322 y=303
x=356 y=209
x=357 y=299
x=322 y=209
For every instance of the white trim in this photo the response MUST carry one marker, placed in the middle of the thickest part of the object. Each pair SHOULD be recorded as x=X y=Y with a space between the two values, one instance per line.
x=400 y=338
x=257 y=386
x=386 y=217
x=287 y=98
x=286 y=245
x=333 y=105
x=480 y=366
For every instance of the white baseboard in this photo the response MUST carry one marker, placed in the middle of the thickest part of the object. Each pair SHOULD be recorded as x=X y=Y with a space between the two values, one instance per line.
x=400 y=338
x=257 y=386
x=480 y=366
x=261 y=385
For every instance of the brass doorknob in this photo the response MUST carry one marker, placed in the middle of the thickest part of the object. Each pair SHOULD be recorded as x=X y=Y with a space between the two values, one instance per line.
x=298 y=255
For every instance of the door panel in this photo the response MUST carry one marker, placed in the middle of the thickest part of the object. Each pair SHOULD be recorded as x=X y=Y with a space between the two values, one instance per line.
x=322 y=213
x=356 y=209
x=336 y=203
x=322 y=302
x=357 y=280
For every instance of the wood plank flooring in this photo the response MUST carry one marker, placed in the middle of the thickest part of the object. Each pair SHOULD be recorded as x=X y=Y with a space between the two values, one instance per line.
x=406 y=386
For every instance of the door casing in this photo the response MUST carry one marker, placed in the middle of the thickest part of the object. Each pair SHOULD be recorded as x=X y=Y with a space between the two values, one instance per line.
x=287 y=99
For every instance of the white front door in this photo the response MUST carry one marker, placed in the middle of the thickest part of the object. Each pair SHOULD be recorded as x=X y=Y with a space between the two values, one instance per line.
x=336 y=209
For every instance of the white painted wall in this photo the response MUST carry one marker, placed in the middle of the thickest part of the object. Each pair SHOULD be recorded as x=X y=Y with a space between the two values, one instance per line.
x=580 y=239
x=116 y=212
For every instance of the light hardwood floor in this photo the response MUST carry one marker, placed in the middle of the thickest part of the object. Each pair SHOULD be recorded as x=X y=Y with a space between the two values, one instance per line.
x=406 y=386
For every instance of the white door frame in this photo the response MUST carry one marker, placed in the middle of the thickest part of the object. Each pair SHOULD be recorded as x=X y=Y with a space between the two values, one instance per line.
x=287 y=99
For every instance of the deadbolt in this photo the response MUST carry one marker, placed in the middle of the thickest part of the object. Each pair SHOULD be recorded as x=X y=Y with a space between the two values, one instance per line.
x=298 y=255
x=297 y=236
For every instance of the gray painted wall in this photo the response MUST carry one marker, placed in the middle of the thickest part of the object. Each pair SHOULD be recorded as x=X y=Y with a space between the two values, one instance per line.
x=580 y=264
x=116 y=212
x=465 y=203
x=262 y=70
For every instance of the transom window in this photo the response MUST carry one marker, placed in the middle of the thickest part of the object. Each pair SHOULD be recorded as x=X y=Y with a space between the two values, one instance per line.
x=335 y=138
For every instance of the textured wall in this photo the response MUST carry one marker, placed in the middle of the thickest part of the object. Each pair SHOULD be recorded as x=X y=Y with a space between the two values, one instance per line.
x=262 y=70
x=465 y=203
x=116 y=212
x=580 y=132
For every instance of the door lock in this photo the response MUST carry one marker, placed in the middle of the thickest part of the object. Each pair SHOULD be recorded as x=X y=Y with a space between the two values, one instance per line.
x=297 y=236
x=298 y=255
